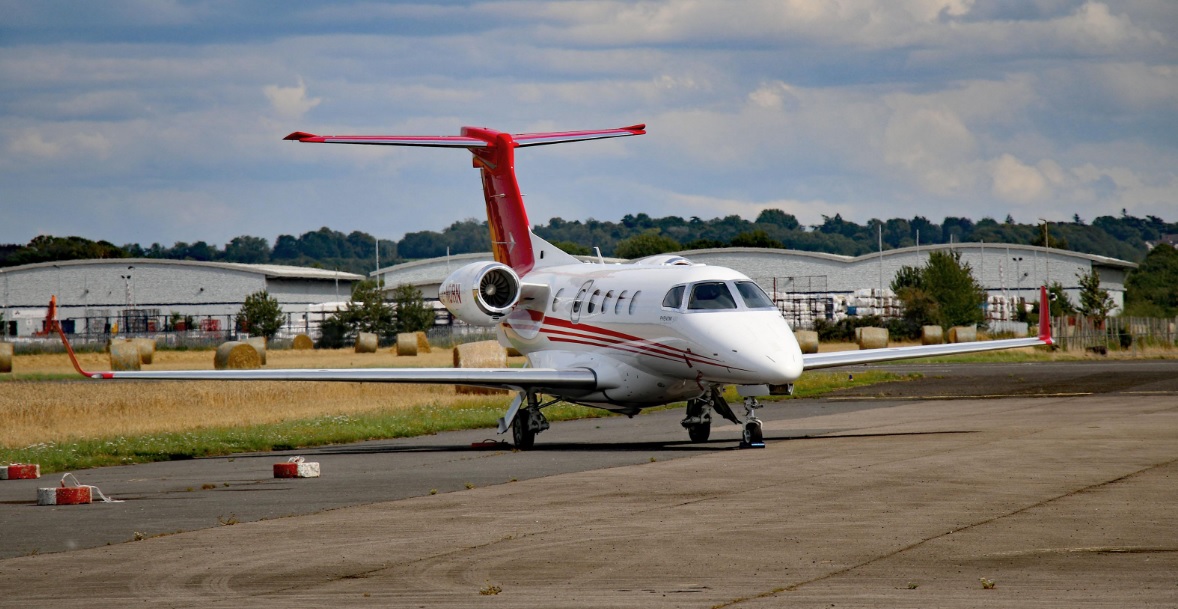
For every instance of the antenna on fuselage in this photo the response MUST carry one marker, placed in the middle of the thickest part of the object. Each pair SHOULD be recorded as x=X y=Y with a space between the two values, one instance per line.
x=600 y=259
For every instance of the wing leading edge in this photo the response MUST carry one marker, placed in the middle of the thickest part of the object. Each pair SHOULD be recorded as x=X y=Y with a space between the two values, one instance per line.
x=501 y=378
x=815 y=361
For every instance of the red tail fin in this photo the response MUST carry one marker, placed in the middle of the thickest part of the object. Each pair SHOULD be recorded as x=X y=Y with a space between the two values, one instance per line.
x=1044 y=316
x=494 y=156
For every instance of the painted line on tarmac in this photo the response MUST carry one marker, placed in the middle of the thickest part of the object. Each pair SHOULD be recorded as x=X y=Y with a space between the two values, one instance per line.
x=994 y=396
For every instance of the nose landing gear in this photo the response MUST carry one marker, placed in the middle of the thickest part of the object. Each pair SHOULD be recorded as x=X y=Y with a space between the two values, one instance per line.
x=752 y=436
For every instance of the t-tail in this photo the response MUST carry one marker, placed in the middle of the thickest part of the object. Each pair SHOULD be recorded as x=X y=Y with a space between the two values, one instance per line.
x=494 y=157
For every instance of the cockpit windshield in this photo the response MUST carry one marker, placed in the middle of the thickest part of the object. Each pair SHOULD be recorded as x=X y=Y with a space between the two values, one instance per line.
x=710 y=296
x=754 y=297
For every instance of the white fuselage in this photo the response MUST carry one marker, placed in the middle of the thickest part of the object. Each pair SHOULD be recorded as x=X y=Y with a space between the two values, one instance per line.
x=647 y=350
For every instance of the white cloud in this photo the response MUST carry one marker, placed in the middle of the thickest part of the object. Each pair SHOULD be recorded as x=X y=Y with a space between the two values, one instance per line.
x=1016 y=181
x=290 y=102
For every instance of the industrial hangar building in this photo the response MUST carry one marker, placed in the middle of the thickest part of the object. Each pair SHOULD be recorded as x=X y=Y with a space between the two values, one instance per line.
x=1007 y=272
x=96 y=297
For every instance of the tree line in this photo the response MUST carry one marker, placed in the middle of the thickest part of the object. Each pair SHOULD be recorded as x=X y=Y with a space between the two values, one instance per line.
x=1126 y=237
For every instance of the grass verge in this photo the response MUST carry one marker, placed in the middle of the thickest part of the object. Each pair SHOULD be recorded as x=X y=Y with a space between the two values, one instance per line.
x=398 y=422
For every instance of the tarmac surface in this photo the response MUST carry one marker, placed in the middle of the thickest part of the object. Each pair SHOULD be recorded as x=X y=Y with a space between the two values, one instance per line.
x=1054 y=482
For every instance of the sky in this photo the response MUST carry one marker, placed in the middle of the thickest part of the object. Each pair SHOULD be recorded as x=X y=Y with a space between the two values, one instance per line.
x=162 y=121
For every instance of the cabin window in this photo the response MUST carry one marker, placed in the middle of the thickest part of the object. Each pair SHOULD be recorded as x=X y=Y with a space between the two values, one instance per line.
x=754 y=297
x=605 y=302
x=634 y=301
x=674 y=297
x=581 y=297
x=710 y=296
x=593 y=301
x=556 y=299
x=618 y=304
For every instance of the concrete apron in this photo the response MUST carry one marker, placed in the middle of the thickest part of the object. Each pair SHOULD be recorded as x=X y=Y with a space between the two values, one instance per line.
x=1058 y=501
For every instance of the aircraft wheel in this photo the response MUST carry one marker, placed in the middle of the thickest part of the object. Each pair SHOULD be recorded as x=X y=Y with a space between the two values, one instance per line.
x=523 y=437
x=700 y=432
x=753 y=438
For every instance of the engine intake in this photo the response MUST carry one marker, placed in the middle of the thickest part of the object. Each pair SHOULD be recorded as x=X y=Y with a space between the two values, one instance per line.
x=481 y=293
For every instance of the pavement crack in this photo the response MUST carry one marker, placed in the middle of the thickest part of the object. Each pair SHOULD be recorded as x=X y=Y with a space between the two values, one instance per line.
x=917 y=544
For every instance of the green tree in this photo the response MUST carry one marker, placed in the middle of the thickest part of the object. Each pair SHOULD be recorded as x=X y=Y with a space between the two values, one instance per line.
x=1060 y=303
x=1094 y=300
x=412 y=314
x=755 y=238
x=645 y=244
x=1151 y=290
x=368 y=312
x=942 y=292
x=249 y=250
x=260 y=315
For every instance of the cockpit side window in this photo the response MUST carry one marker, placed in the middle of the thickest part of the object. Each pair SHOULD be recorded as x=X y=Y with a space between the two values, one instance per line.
x=754 y=297
x=710 y=296
x=674 y=297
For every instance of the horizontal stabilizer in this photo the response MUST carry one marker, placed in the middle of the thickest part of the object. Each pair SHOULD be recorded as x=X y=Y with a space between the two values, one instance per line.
x=466 y=141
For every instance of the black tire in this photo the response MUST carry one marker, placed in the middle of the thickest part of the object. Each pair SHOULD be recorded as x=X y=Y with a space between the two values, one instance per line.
x=752 y=433
x=520 y=434
x=700 y=433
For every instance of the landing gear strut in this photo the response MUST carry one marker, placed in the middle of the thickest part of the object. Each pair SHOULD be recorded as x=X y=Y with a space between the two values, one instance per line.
x=752 y=437
x=528 y=422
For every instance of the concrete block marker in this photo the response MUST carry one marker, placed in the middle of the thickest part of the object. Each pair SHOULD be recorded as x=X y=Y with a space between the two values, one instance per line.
x=20 y=471
x=71 y=492
x=296 y=467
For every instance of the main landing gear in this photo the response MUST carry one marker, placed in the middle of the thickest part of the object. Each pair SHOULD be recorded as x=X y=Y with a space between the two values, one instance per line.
x=528 y=422
x=698 y=421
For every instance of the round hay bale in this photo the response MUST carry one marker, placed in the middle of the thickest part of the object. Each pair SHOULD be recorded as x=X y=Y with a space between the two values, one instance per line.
x=807 y=340
x=124 y=355
x=237 y=355
x=931 y=335
x=407 y=343
x=483 y=354
x=873 y=338
x=422 y=343
x=259 y=345
x=963 y=334
x=146 y=348
x=858 y=334
x=366 y=342
x=5 y=357
x=302 y=342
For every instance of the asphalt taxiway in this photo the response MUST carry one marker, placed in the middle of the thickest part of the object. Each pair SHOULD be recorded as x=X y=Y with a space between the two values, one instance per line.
x=1056 y=492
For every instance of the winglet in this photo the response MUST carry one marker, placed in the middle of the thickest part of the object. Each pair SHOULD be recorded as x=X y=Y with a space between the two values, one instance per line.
x=1044 y=317
x=300 y=136
x=52 y=324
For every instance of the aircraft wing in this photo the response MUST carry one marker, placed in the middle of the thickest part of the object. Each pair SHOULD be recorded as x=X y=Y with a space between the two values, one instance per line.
x=815 y=361
x=503 y=378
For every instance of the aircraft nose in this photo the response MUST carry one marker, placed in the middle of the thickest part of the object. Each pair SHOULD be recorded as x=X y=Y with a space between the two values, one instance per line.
x=764 y=349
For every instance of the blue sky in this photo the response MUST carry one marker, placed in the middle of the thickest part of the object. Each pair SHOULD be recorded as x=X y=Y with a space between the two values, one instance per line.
x=143 y=121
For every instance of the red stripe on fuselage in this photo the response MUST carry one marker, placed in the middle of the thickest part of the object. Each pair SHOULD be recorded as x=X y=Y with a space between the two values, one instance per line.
x=589 y=329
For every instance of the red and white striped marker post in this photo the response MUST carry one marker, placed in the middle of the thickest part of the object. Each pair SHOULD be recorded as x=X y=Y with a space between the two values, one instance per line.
x=296 y=467
x=20 y=471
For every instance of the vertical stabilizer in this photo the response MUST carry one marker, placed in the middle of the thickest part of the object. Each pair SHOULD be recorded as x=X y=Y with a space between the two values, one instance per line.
x=494 y=157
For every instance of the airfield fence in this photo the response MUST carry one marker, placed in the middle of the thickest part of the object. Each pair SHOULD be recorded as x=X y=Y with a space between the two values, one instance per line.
x=1112 y=333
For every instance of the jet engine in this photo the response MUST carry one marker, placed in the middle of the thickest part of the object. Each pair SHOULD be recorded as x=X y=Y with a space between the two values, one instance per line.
x=480 y=293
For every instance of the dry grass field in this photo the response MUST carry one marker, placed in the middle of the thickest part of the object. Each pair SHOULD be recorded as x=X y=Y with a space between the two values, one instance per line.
x=56 y=411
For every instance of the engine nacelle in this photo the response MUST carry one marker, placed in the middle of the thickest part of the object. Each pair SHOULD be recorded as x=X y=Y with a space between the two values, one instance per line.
x=481 y=293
